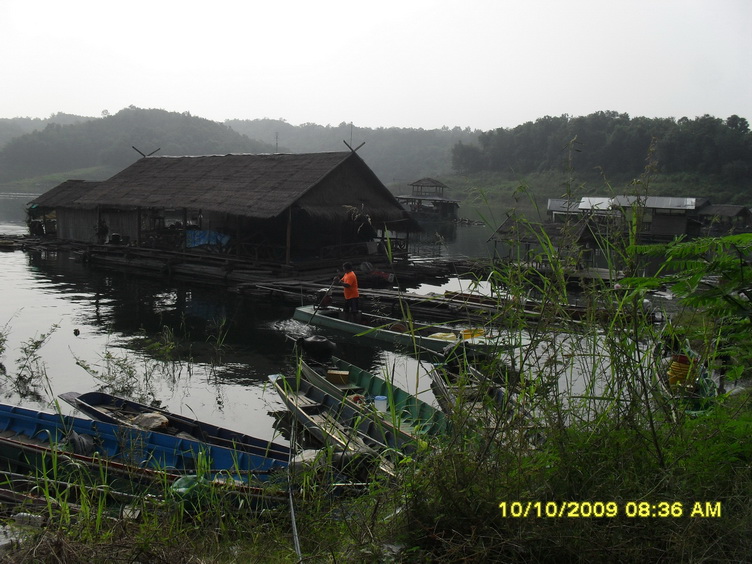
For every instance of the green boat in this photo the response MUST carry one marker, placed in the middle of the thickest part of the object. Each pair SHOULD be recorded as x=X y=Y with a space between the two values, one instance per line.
x=400 y=409
x=408 y=334
x=357 y=431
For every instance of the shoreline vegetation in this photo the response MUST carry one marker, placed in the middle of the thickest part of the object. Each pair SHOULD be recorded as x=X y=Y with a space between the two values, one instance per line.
x=646 y=467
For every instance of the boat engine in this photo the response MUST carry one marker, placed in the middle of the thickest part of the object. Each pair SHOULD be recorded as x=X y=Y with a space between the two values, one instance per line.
x=319 y=348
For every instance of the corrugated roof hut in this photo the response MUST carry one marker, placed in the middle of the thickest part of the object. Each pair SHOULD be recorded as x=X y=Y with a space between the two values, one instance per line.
x=271 y=206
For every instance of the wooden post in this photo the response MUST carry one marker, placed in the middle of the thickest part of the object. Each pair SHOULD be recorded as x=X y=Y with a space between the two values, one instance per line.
x=185 y=228
x=288 y=244
x=96 y=227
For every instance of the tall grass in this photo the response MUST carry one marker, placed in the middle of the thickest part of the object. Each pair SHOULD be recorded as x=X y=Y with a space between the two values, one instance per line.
x=605 y=430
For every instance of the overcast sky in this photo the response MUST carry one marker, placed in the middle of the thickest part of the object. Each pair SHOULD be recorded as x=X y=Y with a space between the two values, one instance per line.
x=481 y=64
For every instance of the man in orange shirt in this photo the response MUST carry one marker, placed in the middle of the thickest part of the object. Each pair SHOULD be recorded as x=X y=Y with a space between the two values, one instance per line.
x=350 y=283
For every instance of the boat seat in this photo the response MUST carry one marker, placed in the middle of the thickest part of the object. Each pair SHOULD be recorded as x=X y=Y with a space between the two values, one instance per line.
x=302 y=399
x=311 y=408
x=350 y=387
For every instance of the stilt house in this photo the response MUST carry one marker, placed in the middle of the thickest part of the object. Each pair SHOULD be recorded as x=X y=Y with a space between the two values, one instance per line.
x=427 y=201
x=272 y=207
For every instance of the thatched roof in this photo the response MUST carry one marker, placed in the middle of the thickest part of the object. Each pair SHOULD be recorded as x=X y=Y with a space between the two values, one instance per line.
x=256 y=186
x=63 y=194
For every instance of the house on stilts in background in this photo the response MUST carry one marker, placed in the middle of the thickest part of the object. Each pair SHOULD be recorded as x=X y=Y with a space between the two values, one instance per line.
x=275 y=209
x=428 y=201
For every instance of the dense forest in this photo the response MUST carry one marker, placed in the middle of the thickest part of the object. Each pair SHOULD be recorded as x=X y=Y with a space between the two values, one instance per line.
x=616 y=144
x=700 y=156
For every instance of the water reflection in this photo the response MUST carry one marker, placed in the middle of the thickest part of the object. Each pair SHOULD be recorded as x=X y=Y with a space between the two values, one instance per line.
x=111 y=328
x=447 y=239
x=13 y=212
x=199 y=351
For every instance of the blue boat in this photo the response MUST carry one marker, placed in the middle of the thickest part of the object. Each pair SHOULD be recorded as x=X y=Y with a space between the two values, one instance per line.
x=121 y=411
x=135 y=447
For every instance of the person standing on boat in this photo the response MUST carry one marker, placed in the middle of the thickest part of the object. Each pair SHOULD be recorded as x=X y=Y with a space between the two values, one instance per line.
x=350 y=283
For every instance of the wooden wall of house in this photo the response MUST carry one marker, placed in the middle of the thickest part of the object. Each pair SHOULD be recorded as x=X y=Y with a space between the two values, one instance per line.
x=667 y=225
x=80 y=225
x=121 y=222
x=77 y=225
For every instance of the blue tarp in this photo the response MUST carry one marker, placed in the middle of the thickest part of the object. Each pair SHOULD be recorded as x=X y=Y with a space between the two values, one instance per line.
x=197 y=238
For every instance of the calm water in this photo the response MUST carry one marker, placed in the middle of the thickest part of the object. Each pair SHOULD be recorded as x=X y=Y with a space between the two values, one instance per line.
x=96 y=324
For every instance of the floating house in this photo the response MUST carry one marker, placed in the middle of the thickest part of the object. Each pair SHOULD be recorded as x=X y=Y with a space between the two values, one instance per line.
x=277 y=208
x=581 y=230
x=428 y=201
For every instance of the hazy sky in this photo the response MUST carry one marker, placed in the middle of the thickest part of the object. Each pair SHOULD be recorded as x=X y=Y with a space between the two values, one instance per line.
x=406 y=63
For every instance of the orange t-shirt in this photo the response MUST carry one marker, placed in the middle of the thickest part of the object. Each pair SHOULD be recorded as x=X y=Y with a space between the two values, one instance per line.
x=352 y=280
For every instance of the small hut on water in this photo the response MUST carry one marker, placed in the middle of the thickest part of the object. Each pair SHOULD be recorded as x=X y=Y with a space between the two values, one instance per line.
x=428 y=201
x=277 y=208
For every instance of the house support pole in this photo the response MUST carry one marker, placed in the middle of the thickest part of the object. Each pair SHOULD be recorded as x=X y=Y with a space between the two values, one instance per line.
x=288 y=243
x=185 y=228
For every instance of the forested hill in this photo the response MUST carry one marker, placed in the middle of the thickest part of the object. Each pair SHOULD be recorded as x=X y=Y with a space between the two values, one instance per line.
x=33 y=148
x=107 y=143
x=617 y=145
x=15 y=127
x=700 y=155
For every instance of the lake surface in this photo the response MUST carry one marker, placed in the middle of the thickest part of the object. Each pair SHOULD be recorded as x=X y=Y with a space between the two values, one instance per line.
x=102 y=328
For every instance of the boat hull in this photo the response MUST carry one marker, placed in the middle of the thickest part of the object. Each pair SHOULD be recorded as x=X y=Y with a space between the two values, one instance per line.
x=408 y=414
x=133 y=447
x=435 y=338
x=338 y=424
x=121 y=411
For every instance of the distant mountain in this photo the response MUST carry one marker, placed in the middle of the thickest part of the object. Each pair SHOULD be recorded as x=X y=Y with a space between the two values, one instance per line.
x=691 y=156
x=32 y=148
x=15 y=127
x=398 y=156
x=108 y=142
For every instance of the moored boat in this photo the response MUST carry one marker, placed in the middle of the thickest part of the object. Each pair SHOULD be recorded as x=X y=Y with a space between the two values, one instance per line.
x=341 y=424
x=134 y=447
x=404 y=411
x=121 y=411
x=466 y=389
x=409 y=334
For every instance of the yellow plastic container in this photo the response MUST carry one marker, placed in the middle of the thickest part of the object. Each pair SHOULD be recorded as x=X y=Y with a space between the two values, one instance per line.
x=472 y=333
x=679 y=371
x=338 y=377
